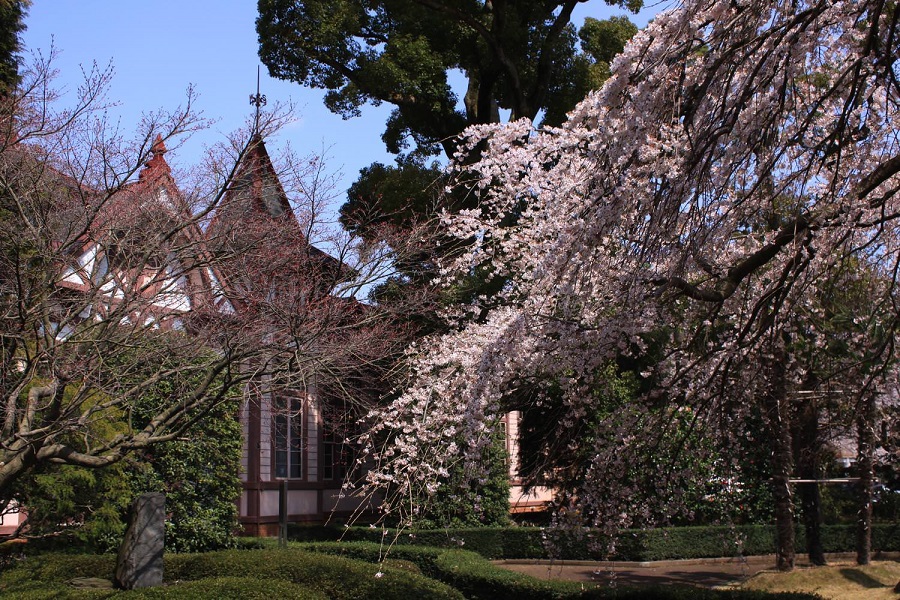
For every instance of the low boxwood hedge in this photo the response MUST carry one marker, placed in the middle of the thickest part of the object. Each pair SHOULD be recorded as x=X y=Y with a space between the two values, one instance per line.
x=632 y=545
x=337 y=577
x=478 y=579
x=231 y=588
x=220 y=588
x=325 y=570
x=218 y=574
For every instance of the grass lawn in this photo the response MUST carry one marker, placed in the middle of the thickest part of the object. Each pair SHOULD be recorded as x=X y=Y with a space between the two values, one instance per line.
x=838 y=581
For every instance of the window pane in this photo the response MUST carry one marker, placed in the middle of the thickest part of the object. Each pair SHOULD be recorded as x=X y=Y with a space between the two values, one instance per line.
x=281 y=442
x=288 y=438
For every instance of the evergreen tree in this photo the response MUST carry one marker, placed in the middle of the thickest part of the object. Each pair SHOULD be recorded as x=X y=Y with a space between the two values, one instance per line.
x=520 y=57
x=12 y=12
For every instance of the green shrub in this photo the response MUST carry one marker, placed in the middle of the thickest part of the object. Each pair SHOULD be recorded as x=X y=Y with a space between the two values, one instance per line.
x=231 y=588
x=667 y=543
x=269 y=572
x=198 y=473
x=337 y=577
x=424 y=557
x=220 y=588
x=478 y=579
x=465 y=499
x=46 y=576
x=62 y=567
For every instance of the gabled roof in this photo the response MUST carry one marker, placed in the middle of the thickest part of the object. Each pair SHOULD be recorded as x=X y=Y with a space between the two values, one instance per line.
x=152 y=209
x=255 y=201
x=255 y=191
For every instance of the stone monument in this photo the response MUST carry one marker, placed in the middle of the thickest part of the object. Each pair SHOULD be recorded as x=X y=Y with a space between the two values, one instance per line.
x=140 y=561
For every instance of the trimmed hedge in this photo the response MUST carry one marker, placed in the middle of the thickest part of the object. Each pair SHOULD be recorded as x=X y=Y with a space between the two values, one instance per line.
x=231 y=588
x=273 y=573
x=632 y=545
x=220 y=588
x=338 y=578
x=478 y=579
x=295 y=573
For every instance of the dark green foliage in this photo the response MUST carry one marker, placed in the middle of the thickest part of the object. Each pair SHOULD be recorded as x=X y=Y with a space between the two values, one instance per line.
x=513 y=56
x=12 y=13
x=424 y=557
x=199 y=475
x=388 y=194
x=670 y=543
x=88 y=505
x=262 y=573
x=326 y=571
x=490 y=542
x=63 y=567
x=683 y=475
x=198 y=472
x=603 y=40
x=466 y=499
x=47 y=576
x=477 y=578
x=232 y=588
x=336 y=577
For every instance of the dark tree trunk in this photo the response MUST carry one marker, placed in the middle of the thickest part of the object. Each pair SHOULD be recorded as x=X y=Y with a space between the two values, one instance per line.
x=811 y=500
x=807 y=452
x=778 y=416
x=865 y=424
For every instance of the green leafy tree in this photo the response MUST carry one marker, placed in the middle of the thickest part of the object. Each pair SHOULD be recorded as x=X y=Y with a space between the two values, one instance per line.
x=199 y=475
x=197 y=471
x=12 y=12
x=471 y=495
x=704 y=480
x=520 y=57
x=77 y=506
x=514 y=56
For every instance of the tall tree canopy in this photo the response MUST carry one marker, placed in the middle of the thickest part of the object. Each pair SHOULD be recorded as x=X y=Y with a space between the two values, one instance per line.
x=741 y=162
x=517 y=56
x=11 y=14
x=514 y=55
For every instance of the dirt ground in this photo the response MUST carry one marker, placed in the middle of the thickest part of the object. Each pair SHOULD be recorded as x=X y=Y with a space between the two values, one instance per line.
x=702 y=572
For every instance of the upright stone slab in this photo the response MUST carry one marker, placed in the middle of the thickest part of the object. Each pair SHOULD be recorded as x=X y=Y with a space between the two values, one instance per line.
x=140 y=562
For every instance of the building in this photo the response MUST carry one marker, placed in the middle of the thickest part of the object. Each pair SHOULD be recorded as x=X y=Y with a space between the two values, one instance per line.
x=251 y=256
x=235 y=277
x=287 y=436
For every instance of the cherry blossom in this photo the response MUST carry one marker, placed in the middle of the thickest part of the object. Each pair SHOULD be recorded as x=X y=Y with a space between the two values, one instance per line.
x=741 y=155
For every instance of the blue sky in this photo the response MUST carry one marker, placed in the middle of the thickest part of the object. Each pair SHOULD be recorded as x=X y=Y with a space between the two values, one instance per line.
x=159 y=47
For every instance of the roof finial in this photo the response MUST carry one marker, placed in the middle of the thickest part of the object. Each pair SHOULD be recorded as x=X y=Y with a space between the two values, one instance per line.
x=157 y=162
x=159 y=146
x=257 y=100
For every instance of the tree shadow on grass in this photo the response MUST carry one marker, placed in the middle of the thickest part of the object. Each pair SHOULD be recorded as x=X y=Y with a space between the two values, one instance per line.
x=858 y=577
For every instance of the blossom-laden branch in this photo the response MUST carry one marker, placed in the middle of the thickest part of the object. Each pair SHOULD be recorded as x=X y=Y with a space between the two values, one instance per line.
x=739 y=166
